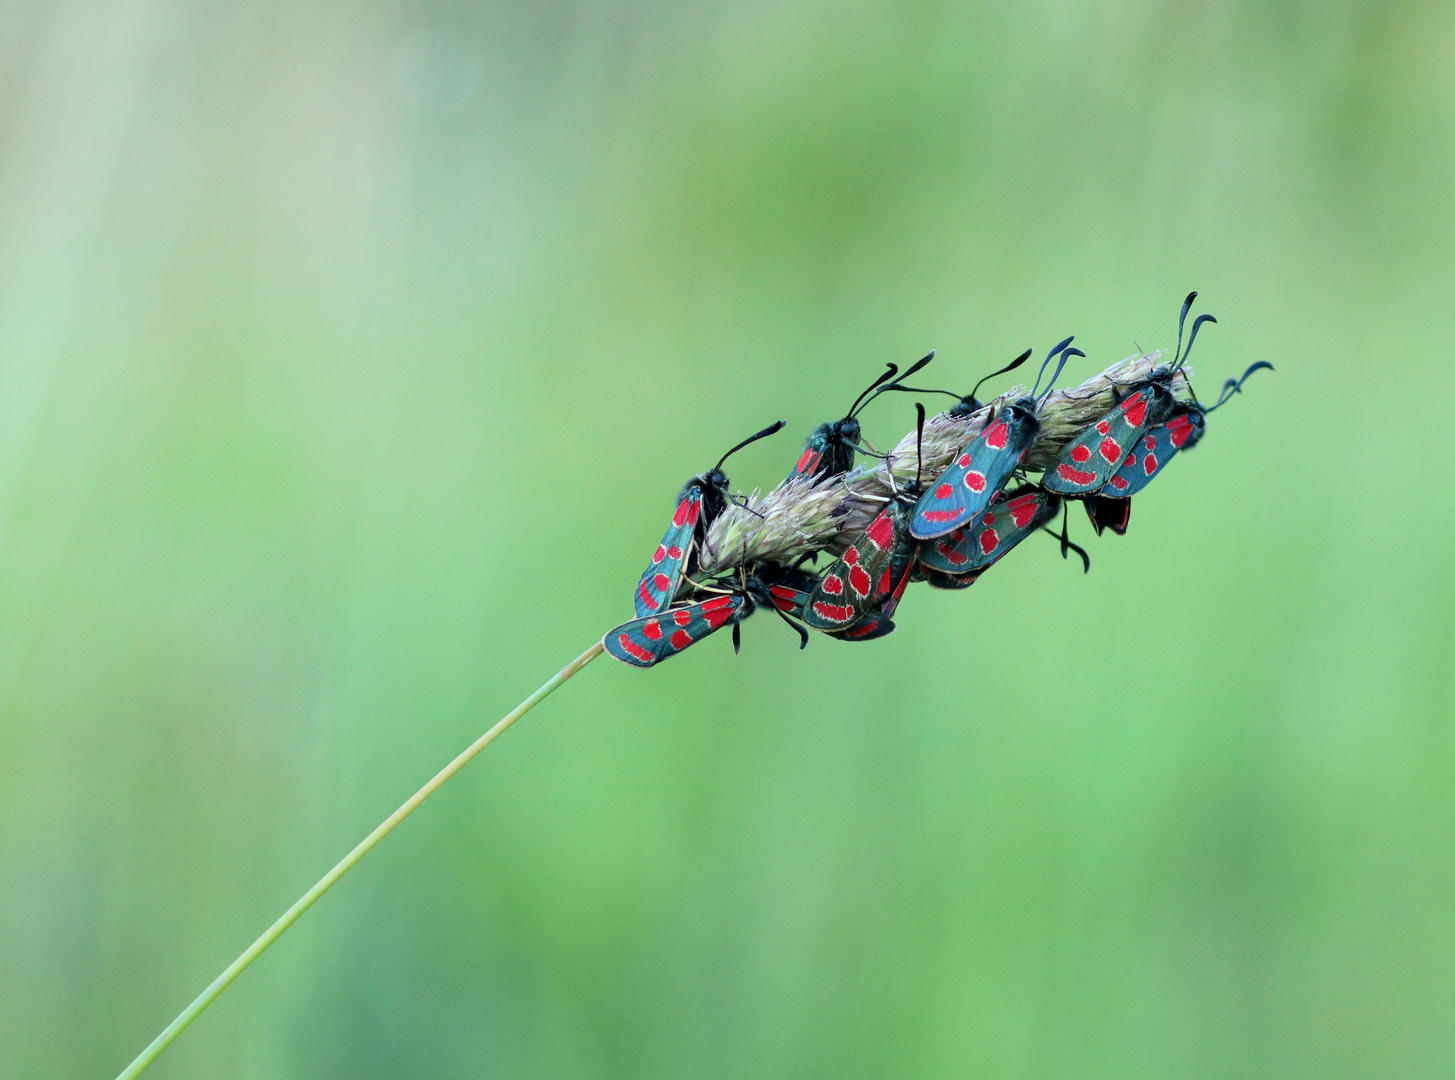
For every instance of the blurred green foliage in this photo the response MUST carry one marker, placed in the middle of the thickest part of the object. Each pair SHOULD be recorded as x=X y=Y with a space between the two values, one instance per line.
x=350 y=357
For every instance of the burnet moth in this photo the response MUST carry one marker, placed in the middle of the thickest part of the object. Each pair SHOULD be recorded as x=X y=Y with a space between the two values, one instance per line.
x=1010 y=518
x=1112 y=506
x=646 y=641
x=829 y=449
x=699 y=503
x=965 y=489
x=1088 y=462
x=871 y=576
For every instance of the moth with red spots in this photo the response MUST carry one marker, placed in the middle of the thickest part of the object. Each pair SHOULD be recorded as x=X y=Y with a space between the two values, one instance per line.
x=1088 y=462
x=1182 y=430
x=871 y=576
x=829 y=449
x=699 y=503
x=649 y=640
x=965 y=489
x=1011 y=517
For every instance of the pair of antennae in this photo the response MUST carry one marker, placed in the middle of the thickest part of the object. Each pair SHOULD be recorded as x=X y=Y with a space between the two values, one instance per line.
x=1066 y=353
x=887 y=381
x=1235 y=386
x=1017 y=362
x=1179 y=358
x=771 y=429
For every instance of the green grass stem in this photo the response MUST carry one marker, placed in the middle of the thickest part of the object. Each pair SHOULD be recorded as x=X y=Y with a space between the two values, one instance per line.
x=344 y=865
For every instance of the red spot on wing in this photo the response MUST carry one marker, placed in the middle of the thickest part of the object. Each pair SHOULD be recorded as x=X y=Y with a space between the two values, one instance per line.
x=833 y=612
x=632 y=649
x=807 y=462
x=680 y=639
x=683 y=508
x=1178 y=429
x=1111 y=450
x=1134 y=410
x=1131 y=460
x=1119 y=483
x=661 y=582
x=884 y=583
x=996 y=437
x=1075 y=476
x=943 y=492
x=784 y=598
x=1103 y=427
x=988 y=541
x=863 y=627
x=647 y=598
x=1149 y=464
x=682 y=617
x=936 y=517
x=693 y=511
x=717 y=617
x=859 y=582
x=717 y=603
x=1021 y=510
x=963 y=460
x=881 y=531
x=1081 y=454
x=652 y=629
x=660 y=554
x=851 y=557
x=975 y=481
x=833 y=585
x=950 y=554
x=675 y=551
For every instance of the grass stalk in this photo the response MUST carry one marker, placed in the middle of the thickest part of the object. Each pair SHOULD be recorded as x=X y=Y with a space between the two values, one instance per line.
x=344 y=865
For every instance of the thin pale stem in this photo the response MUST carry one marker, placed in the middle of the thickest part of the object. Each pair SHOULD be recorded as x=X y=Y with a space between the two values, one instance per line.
x=304 y=902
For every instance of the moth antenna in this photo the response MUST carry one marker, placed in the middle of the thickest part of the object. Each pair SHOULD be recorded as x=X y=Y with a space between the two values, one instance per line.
x=890 y=370
x=1049 y=357
x=769 y=430
x=919 y=441
x=1191 y=337
x=896 y=384
x=1235 y=386
x=1085 y=558
x=802 y=633
x=1067 y=355
x=1017 y=362
x=1182 y=318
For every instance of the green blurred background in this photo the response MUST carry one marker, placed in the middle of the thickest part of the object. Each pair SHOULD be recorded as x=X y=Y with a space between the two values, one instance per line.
x=350 y=358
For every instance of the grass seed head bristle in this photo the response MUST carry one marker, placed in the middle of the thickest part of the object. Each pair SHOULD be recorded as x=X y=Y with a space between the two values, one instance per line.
x=806 y=514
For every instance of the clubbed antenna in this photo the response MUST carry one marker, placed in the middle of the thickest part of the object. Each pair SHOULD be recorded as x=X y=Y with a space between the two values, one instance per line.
x=1179 y=358
x=1066 y=354
x=1182 y=318
x=897 y=384
x=890 y=370
x=1017 y=362
x=1235 y=386
x=771 y=429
